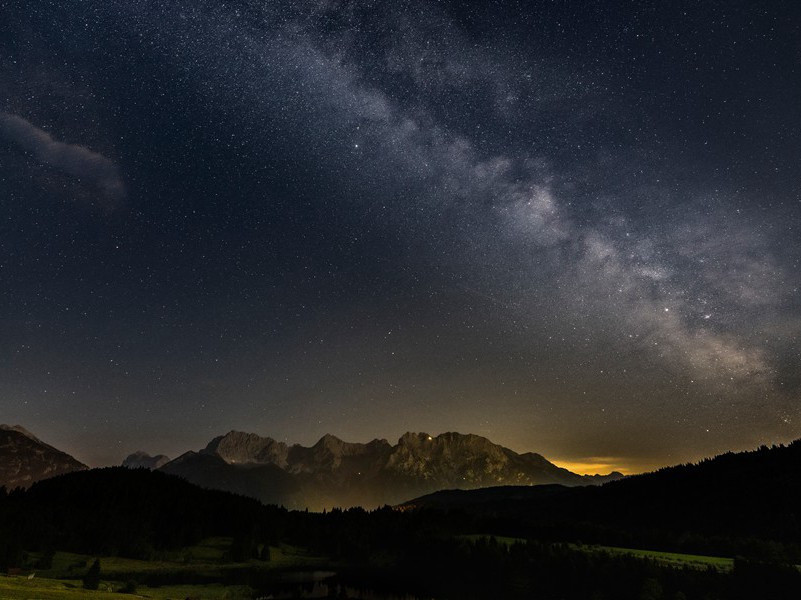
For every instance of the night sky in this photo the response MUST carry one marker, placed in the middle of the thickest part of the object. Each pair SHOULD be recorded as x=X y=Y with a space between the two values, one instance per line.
x=571 y=227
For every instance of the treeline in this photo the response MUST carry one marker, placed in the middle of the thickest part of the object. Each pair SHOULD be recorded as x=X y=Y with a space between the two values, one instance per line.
x=424 y=550
x=747 y=494
x=144 y=514
x=747 y=503
x=487 y=569
x=117 y=511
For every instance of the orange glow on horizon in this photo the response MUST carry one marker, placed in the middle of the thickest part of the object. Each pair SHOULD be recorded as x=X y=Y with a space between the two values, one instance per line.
x=599 y=465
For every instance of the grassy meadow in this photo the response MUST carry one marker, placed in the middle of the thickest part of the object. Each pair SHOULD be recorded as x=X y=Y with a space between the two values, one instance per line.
x=63 y=580
x=670 y=559
x=38 y=588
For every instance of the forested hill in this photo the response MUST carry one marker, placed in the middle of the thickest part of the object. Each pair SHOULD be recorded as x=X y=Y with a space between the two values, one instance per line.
x=755 y=494
x=130 y=512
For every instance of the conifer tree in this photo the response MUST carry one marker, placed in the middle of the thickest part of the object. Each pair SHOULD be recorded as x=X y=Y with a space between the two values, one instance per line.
x=91 y=580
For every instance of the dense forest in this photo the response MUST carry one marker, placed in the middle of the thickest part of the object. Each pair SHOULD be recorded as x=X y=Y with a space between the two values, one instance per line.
x=746 y=503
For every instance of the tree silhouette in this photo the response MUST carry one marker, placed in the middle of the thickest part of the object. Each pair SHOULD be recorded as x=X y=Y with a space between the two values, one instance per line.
x=91 y=580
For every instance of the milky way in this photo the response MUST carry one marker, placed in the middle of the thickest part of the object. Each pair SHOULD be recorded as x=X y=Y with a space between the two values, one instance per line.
x=571 y=229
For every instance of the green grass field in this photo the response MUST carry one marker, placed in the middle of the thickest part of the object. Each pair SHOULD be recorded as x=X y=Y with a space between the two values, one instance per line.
x=667 y=558
x=21 y=588
x=673 y=559
x=205 y=558
x=63 y=580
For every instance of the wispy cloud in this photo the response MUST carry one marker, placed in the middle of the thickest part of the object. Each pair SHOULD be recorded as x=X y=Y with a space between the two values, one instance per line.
x=72 y=159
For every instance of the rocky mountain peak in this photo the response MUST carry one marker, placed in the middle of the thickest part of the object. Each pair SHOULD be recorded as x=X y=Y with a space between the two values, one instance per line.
x=242 y=448
x=337 y=447
x=331 y=454
x=25 y=459
x=22 y=430
x=331 y=443
x=414 y=440
x=425 y=444
x=379 y=444
x=143 y=460
x=454 y=458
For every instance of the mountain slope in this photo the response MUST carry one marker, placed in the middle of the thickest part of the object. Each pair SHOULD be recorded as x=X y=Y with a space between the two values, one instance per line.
x=25 y=459
x=333 y=472
x=266 y=482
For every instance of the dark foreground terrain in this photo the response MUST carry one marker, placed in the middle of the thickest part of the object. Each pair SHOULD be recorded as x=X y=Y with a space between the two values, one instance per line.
x=724 y=528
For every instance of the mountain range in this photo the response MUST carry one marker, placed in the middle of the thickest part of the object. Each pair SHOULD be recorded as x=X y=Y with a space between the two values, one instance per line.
x=25 y=459
x=331 y=473
x=335 y=473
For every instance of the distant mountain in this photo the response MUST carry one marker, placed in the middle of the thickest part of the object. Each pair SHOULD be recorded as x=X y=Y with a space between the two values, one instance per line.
x=142 y=460
x=24 y=458
x=337 y=473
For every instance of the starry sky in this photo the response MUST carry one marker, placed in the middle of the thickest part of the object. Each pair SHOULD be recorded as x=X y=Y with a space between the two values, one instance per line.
x=570 y=227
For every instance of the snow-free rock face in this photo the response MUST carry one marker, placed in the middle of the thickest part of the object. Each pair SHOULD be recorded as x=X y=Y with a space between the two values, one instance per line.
x=142 y=460
x=331 y=455
x=25 y=459
x=468 y=461
x=237 y=447
x=333 y=472
x=22 y=430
